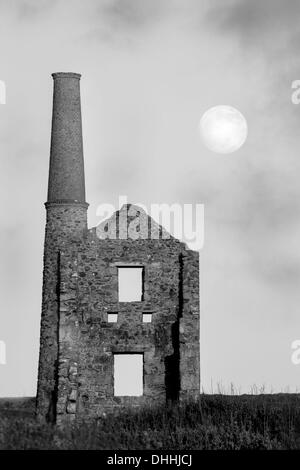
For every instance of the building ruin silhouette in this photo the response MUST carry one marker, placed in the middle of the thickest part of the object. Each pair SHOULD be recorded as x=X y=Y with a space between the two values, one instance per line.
x=78 y=345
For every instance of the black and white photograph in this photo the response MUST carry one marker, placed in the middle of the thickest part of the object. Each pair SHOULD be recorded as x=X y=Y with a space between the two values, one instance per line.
x=150 y=260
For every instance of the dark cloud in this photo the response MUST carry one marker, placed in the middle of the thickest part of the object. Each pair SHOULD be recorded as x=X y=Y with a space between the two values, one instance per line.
x=27 y=9
x=123 y=22
x=267 y=33
x=257 y=19
x=133 y=14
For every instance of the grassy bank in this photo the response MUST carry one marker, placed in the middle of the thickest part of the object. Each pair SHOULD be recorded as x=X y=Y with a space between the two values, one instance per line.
x=214 y=422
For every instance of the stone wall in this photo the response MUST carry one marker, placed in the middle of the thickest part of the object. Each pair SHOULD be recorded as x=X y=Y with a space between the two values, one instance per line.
x=64 y=221
x=87 y=342
x=189 y=327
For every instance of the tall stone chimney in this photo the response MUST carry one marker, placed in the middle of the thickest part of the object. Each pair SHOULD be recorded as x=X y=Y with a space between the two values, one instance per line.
x=66 y=172
x=66 y=217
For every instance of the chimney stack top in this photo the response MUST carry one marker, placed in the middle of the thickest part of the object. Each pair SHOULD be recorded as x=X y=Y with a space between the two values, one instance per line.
x=66 y=170
x=66 y=75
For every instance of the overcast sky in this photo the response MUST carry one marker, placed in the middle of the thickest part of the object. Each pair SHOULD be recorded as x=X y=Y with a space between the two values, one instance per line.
x=150 y=69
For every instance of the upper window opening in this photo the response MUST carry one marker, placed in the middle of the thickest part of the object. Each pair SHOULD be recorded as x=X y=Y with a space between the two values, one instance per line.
x=130 y=283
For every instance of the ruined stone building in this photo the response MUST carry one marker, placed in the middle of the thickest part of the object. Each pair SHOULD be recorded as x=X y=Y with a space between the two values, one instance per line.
x=98 y=333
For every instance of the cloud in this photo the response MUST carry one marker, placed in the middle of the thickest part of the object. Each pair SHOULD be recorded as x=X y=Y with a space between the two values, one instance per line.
x=266 y=35
x=28 y=10
x=125 y=22
x=132 y=14
x=257 y=20
x=267 y=30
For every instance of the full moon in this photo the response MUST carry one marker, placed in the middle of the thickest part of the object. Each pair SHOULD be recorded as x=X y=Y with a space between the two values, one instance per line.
x=223 y=129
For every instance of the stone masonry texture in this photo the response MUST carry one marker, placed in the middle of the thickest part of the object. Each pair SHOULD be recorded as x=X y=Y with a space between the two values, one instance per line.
x=66 y=171
x=80 y=288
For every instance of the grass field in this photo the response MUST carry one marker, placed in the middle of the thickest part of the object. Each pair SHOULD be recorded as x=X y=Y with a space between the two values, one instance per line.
x=214 y=422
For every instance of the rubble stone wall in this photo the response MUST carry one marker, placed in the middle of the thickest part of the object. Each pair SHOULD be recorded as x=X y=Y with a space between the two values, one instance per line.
x=87 y=342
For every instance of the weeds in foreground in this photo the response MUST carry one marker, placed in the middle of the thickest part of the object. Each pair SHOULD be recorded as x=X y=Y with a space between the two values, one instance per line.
x=213 y=422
